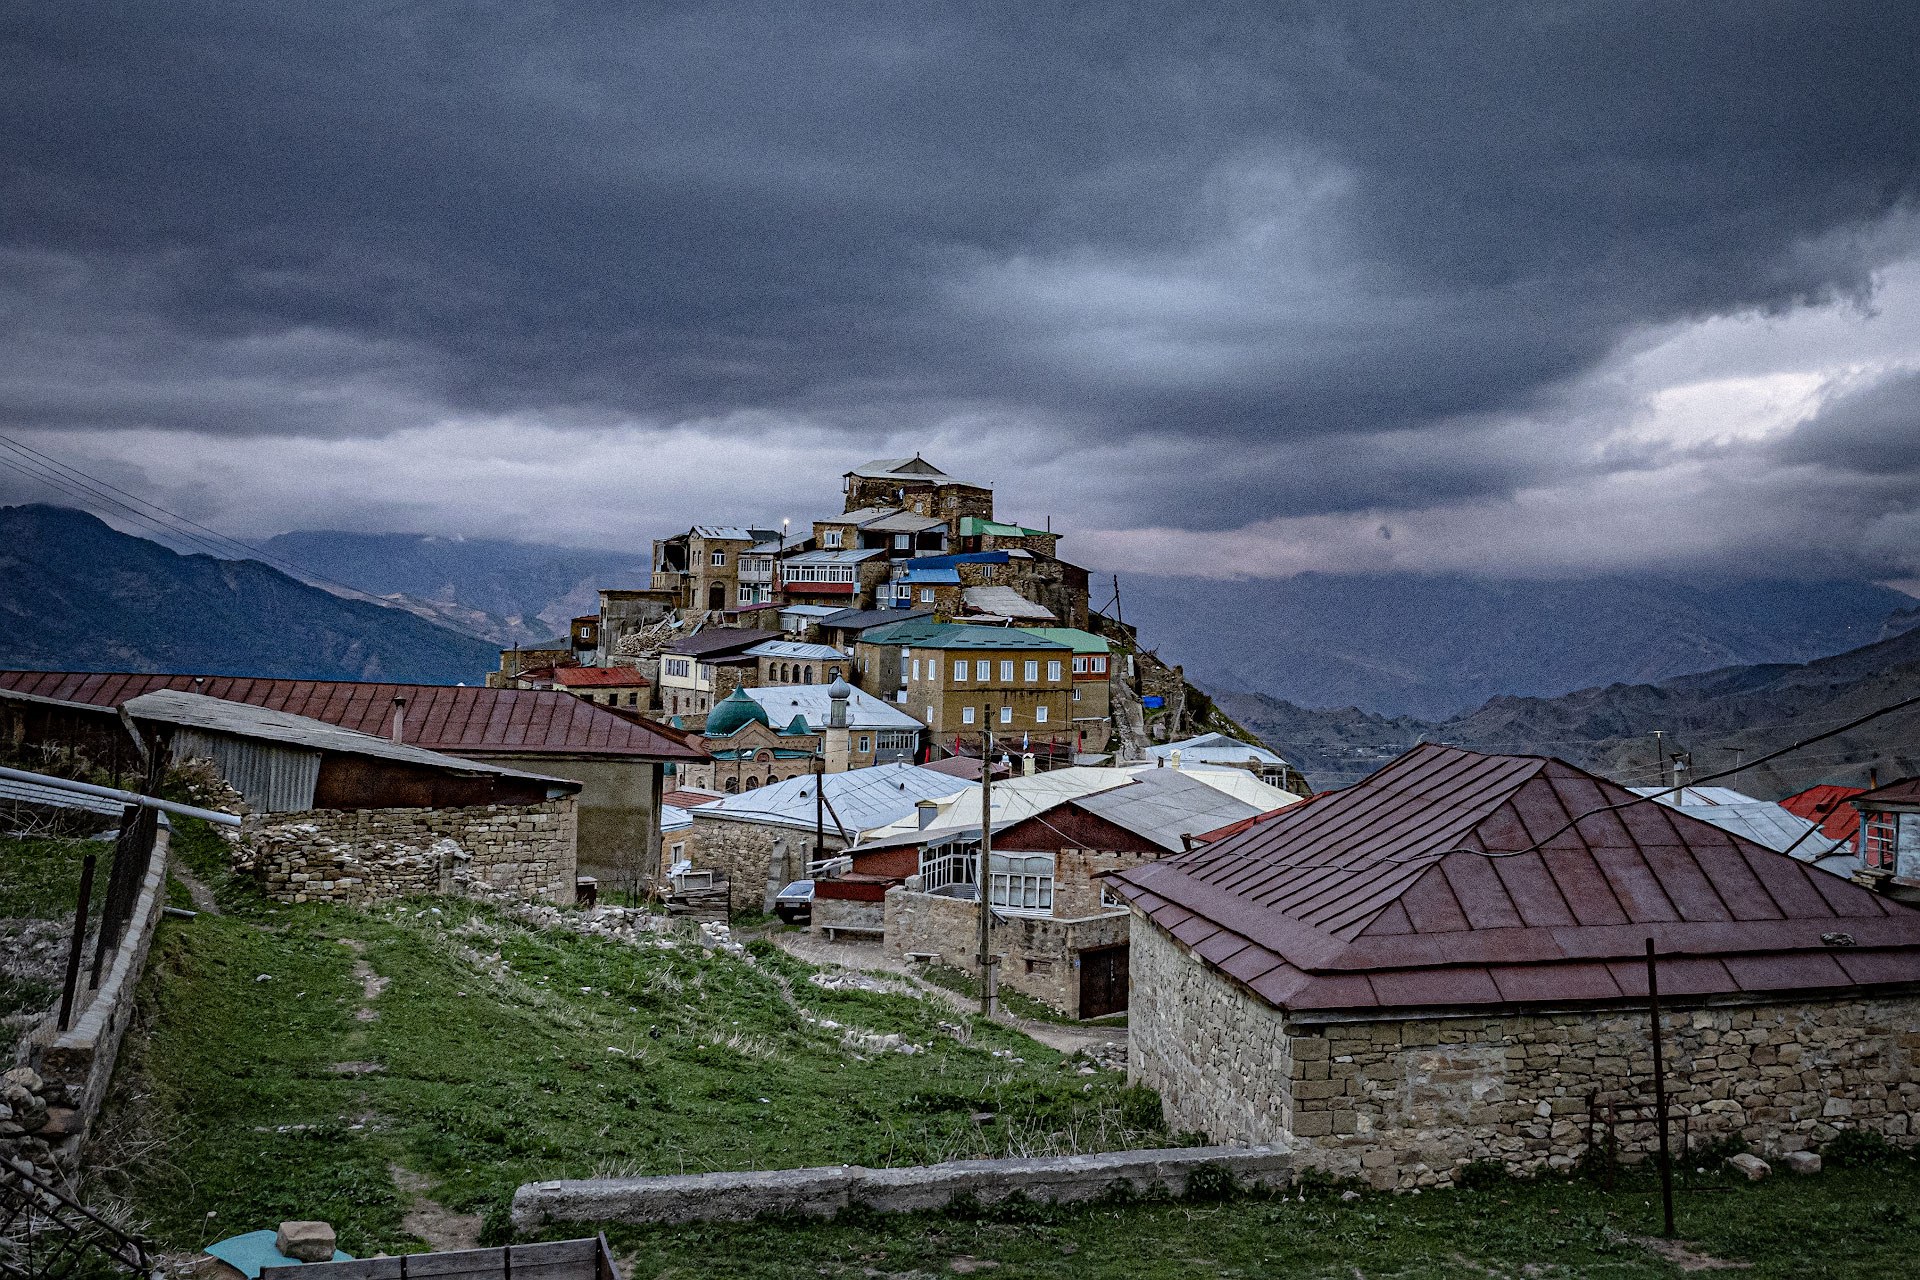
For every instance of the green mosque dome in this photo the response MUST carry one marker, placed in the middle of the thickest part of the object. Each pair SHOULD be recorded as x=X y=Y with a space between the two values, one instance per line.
x=733 y=713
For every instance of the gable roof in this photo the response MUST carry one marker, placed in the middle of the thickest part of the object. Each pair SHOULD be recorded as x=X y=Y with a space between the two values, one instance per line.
x=1075 y=639
x=1213 y=748
x=461 y=720
x=915 y=468
x=713 y=641
x=864 y=711
x=1165 y=804
x=1005 y=602
x=591 y=677
x=1761 y=821
x=1827 y=805
x=863 y=619
x=1395 y=893
x=859 y=798
x=927 y=634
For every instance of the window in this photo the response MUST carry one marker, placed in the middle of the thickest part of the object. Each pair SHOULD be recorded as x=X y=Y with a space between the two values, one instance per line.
x=633 y=699
x=1006 y=715
x=833 y=673
x=926 y=595
x=1108 y=898
x=746 y=595
x=733 y=786
x=1877 y=840
x=916 y=668
x=676 y=851
x=753 y=784
x=903 y=592
x=899 y=739
x=945 y=864
x=1006 y=671
x=902 y=542
x=1023 y=883
x=819 y=573
x=832 y=538
x=1040 y=714
x=806 y=676
x=1033 y=670
x=679 y=667
x=1076 y=695
x=719 y=558
x=1053 y=672
x=959 y=671
x=966 y=715
x=866 y=744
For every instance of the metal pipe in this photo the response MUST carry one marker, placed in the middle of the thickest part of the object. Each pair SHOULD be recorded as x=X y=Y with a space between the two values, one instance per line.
x=124 y=797
x=1660 y=1090
x=986 y=858
x=79 y=943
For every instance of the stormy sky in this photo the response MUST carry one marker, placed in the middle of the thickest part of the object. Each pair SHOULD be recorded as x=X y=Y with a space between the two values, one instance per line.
x=1517 y=290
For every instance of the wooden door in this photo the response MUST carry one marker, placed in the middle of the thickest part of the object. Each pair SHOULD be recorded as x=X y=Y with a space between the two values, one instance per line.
x=1103 y=981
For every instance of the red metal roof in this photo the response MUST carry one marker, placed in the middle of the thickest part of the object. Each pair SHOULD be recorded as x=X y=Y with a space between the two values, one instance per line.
x=1827 y=805
x=1392 y=893
x=595 y=677
x=456 y=719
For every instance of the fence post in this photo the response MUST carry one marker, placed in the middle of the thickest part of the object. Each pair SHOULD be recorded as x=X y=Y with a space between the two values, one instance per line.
x=79 y=943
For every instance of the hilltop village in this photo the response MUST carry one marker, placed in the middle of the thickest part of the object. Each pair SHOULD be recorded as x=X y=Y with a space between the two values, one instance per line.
x=889 y=823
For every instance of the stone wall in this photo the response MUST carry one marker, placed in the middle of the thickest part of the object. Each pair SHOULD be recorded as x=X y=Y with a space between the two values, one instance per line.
x=744 y=853
x=1039 y=955
x=362 y=855
x=1405 y=1103
x=1075 y=891
x=846 y=913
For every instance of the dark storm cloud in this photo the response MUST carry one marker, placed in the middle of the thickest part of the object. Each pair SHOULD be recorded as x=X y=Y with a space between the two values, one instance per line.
x=1332 y=239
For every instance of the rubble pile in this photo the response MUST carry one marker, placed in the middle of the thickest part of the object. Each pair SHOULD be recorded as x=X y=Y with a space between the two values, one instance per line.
x=35 y=1114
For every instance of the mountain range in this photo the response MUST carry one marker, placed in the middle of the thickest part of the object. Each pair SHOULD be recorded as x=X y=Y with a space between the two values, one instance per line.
x=1433 y=647
x=77 y=595
x=1711 y=720
x=506 y=593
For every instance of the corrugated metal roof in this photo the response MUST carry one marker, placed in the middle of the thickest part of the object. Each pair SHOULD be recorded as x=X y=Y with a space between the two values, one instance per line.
x=1004 y=602
x=1075 y=639
x=931 y=576
x=903 y=522
x=596 y=677
x=1393 y=894
x=923 y=634
x=1901 y=791
x=1761 y=821
x=864 y=711
x=796 y=649
x=1164 y=804
x=12 y=792
x=673 y=818
x=734 y=533
x=862 y=619
x=238 y=719
x=456 y=719
x=844 y=556
x=810 y=610
x=711 y=641
x=1213 y=748
x=1828 y=806
x=861 y=798
x=914 y=468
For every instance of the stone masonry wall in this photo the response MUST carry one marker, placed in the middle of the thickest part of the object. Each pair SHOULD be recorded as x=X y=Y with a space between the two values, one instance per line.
x=742 y=852
x=361 y=855
x=1406 y=1103
x=1039 y=956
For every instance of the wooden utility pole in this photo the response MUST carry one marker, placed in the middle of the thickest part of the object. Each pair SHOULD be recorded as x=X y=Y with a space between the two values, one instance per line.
x=986 y=856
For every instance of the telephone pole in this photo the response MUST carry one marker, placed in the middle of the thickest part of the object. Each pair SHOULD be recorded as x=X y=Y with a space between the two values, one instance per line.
x=986 y=855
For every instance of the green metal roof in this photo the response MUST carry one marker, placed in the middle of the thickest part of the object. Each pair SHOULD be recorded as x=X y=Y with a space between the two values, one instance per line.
x=732 y=714
x=971 y=526
x=1075 y=639
x=923 y=634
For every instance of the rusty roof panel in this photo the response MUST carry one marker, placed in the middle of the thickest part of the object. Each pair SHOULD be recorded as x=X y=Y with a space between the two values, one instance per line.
x=1483 y=899
x=1874 y=967
x=1534 y=984
x=1679 y=976
x=1219 y=946
x=1784 y=972
x=1635 y=885
x=1428 y=988
x=1337 y=991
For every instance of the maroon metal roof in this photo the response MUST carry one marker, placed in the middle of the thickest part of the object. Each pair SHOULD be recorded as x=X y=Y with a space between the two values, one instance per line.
x=1384 y=896
x=1901 y=791
x=711 y=641
x=455 y=719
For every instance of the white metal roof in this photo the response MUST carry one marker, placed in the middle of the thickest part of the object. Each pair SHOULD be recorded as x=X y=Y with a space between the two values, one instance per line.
x=861 y=798
x=243 y=720
x=1214 y=748
x=796 y=649
x=12 y=792
x=1761 y=821
x=849 y=556
x=903 y=522
x=735 y=533
x=1004 y=602
x=1164 y=804
x=864 y=711
x=810 y=610
x=895 y=468
x=673 y=818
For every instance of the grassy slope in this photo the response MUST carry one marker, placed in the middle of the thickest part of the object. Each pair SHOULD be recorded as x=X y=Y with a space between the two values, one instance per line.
x=1851 y=1225
x=39 y=882
x=543 y=1063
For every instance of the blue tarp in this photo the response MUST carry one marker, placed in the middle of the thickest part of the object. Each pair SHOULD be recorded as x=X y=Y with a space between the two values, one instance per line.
x=254 y=1250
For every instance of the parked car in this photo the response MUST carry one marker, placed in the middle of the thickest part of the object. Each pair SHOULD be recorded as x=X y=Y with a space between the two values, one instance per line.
x=794 y=904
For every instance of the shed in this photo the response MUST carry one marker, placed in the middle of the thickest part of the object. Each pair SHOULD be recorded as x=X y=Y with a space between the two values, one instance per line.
x=1397 y=981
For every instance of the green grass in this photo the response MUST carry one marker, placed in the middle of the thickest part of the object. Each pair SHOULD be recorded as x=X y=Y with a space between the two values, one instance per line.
x=565 y=1056
x=39 y=886
x=41 y=878
x=1021 y=1005
x=1842 y=1225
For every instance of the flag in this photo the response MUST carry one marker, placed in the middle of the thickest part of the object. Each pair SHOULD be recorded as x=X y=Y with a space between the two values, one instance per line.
x=1023 y=742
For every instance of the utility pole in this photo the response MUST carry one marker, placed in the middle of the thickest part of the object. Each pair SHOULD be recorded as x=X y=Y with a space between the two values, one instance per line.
x=819 y=809
x=1659 y=1089
x=1660 y=754
x=986 y=856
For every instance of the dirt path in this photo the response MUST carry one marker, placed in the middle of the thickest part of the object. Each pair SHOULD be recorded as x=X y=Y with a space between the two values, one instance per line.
x=196 y=889
x=1064 y=1037
x=432 y=1221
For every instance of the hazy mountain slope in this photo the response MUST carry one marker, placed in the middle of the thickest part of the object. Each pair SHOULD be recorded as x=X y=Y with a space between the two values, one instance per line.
x=76 y=595
x=532 y=591
x=1711 y=714
x=1436 y=646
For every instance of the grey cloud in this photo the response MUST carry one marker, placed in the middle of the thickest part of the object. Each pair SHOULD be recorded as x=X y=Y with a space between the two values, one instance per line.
x=1330 y=243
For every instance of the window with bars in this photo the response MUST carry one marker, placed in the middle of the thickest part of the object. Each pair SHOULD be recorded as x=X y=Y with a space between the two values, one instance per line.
x=1878 y=840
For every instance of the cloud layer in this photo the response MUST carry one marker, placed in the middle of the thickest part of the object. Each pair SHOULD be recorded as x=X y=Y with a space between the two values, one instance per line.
x=1256 y=289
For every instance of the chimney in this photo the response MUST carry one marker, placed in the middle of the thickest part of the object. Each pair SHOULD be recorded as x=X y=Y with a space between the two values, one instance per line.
x=1873 y=779
x=1026 y=764
x=928 y=811
x=399 y=719
x=1175 y=754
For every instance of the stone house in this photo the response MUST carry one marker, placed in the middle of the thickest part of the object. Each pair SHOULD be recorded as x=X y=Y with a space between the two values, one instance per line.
x=1060 y=935
x=843 y=628
x=1231 y=753
x=697 y=671
x=746 y=750
x=755 y=838
x=624 y=611
x=620 y=761
x=795 y=662
x=895 y=532
x=960 y=680
x=701 y=568
x=1447 y=963
x=850 y=578
x=916 y=485
x=977 y=534
x=516 y=660
x=333 y=815
x=610 y=686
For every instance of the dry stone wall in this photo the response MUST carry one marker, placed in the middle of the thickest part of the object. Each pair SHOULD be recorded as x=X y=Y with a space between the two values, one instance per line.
x=1405 y=1103
x=743 y=852
x=361 y=855
x=1039 y=956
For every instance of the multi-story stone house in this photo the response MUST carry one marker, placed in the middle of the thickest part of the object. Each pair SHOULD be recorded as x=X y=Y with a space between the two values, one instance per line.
x=1091 y=707
x=758 y=581
x=846 y=577
x=701 y=567
x=958 y=680
x=703 y=668
x=900 y=534
x=918 y=486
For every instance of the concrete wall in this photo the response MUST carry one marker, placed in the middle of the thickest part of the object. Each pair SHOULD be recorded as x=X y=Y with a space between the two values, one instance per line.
x=1039 y=956
x=738 y=1197
x=845 y=913
x=362 y=855
x=1405 y=1103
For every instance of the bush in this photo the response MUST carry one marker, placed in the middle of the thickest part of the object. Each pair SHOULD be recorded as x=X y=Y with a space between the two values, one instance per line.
x=496 y=1225
x=1862 y=1149
x=1211 y=1182
x=1483 y=1175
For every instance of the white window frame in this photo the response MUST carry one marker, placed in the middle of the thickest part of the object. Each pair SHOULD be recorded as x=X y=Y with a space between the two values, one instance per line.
x=1006 y=671
x=966 y=715
x=959 y=672
x=1053 y=671
x=916 y=668
x=1040 y=714
x=866 y=744
x=719 y=559
x=1032 y=671
x=926 y=595
x=681 y=667
x=746 y=594
x=1006 y=714
x=831 y=538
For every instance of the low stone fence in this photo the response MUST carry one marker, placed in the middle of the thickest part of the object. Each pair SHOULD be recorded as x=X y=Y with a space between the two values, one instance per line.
x=737 y=1197
x=76 y=1065
x=362 y=855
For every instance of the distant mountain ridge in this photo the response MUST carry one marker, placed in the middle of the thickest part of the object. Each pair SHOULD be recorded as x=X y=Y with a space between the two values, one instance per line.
x=1437 y=646
x=77 y=595
x=1718 y=718
x=505 y=592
